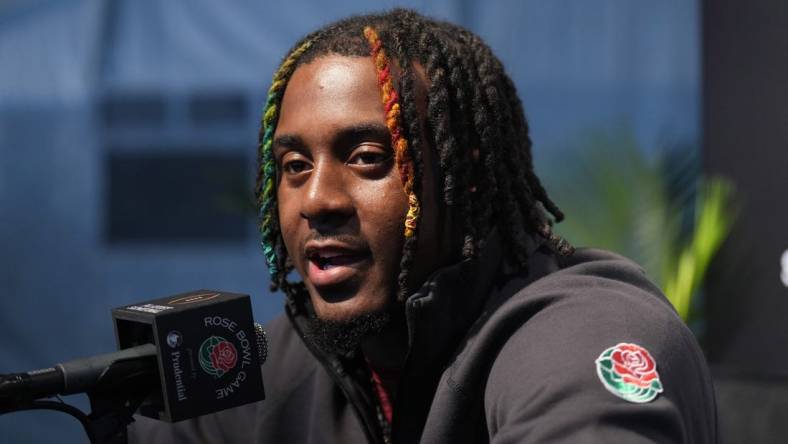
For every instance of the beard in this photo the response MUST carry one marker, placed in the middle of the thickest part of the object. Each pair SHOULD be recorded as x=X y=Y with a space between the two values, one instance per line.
x=344 y=337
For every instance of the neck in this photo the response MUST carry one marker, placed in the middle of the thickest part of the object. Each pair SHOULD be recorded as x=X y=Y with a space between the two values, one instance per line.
x=385 y=352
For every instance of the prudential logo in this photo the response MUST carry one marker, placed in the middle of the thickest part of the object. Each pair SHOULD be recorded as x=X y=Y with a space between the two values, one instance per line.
x=174 y=339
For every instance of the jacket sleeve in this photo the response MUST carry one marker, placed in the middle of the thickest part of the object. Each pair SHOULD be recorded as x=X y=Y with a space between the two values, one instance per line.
x=552 y=381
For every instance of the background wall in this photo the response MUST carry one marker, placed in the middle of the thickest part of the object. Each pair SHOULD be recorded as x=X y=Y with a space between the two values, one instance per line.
x=107 y=105
x=746 y=129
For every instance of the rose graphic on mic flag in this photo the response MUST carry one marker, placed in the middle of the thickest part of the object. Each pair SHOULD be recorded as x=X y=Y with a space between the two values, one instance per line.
x=217 y=356
x=629 y=372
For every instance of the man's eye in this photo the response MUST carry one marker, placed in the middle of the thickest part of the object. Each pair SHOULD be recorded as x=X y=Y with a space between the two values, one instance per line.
x=294 y=166
x=368 y=158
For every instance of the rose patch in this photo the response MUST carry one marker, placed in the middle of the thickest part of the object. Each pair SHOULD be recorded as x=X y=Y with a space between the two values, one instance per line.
x=629 y=372
x=217 y=356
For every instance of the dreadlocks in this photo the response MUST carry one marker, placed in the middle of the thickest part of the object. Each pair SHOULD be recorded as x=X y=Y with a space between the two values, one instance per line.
x=475 y=125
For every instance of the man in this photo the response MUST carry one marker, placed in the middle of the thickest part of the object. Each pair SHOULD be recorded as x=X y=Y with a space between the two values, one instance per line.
x=435 y=302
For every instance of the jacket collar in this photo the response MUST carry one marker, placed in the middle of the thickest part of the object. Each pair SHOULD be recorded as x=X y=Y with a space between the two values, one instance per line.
x=441 y=312
x=439 y=316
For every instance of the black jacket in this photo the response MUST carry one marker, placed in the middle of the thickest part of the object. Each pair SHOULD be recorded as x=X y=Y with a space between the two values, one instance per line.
x=495 y=356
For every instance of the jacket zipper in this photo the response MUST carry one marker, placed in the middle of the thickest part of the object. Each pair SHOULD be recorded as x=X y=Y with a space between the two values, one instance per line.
x=345 y=382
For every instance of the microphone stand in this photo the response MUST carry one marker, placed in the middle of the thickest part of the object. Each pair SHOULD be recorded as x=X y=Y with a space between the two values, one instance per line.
x=120 y=391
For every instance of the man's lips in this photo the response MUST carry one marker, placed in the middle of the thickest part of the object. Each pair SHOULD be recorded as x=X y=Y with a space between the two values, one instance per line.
x=332 y=263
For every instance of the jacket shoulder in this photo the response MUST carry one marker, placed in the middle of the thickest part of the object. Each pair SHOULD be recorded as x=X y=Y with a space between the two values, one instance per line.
x=552 y=380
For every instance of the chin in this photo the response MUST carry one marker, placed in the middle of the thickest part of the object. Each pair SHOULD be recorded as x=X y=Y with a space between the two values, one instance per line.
x=345 y=334
x=340 y=307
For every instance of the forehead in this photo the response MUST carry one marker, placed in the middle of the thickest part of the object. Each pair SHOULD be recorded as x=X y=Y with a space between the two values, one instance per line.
x=329 y=93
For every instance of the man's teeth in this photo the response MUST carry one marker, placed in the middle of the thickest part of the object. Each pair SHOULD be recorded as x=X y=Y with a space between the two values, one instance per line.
x=327 y=261
x=323 y=262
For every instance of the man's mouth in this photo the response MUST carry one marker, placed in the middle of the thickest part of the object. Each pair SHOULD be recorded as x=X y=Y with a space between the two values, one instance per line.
x=328 y=262
x=333 y=265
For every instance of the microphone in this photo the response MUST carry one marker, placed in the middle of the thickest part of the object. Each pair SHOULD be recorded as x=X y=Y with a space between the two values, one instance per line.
x=186 y=355
x=77 y=376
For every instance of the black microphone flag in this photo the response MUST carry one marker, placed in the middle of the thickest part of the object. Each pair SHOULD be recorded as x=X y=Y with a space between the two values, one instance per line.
x=207 y=349
x=187 y=355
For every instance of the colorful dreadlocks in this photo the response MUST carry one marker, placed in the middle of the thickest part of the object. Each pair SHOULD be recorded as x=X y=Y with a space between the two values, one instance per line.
x=266 y=175
x=391 y=106
x=475 y=126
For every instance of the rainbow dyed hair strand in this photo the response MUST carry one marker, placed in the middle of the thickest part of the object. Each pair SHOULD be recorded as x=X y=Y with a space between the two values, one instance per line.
x=391 y=106
x=267 y=174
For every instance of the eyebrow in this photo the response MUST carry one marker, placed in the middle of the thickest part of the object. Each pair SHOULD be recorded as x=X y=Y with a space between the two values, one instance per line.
x=345 y=136
x=354 y=134
x=288 y=141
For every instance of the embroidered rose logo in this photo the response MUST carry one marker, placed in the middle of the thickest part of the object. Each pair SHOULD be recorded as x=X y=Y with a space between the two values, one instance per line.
x=217 y=356
x=629 y=371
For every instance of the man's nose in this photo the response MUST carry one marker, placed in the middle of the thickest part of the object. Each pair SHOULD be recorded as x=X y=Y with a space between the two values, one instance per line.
x=327 y=203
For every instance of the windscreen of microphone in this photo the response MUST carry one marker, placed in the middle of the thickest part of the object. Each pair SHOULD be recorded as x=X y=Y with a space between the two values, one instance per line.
x=262 y=343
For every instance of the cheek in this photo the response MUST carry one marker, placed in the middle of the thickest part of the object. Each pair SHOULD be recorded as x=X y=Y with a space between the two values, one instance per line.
x=382 y=220
x=288 y=220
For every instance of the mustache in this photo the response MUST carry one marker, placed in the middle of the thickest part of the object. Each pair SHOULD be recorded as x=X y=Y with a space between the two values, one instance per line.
x=353 y=241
